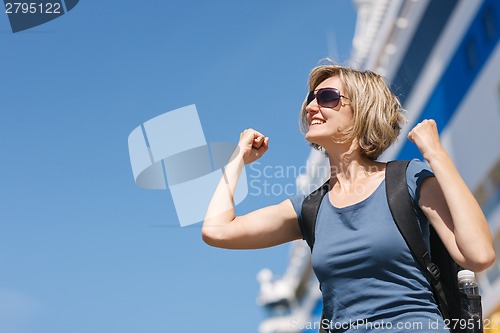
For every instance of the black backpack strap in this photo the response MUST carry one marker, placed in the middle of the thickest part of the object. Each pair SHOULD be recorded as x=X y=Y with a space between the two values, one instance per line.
x=403 y=213
x=309 y=214
x=310 y=208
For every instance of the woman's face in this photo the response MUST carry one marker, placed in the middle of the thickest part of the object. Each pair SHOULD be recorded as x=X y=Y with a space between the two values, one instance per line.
x=325 y=123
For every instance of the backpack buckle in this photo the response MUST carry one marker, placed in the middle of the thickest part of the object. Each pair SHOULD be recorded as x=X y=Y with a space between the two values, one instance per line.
x=434 y=270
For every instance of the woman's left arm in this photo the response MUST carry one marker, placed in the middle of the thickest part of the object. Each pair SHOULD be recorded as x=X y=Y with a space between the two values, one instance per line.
x=449 y=204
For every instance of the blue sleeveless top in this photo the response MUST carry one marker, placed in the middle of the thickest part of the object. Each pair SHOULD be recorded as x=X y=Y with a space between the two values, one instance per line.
x=366 y=271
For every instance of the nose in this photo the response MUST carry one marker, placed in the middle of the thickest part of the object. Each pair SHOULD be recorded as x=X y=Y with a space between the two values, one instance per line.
x=312 y=107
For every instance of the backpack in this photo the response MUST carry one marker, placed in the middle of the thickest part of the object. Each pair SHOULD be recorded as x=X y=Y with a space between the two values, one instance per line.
x=459 y=310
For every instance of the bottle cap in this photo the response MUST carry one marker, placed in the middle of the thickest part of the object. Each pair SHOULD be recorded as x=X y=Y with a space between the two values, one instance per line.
x=465 y=275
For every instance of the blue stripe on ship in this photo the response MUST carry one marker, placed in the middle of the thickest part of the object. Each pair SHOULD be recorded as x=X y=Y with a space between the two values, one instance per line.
x=476 y=47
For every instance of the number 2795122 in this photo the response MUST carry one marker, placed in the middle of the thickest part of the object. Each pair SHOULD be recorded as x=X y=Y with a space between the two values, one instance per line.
x=32 y=8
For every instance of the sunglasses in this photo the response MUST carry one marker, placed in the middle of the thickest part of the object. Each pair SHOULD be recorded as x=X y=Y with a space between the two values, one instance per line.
x=326 y=97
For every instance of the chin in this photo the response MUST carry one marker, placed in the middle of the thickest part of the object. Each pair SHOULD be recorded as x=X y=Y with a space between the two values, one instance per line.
x=311 y=138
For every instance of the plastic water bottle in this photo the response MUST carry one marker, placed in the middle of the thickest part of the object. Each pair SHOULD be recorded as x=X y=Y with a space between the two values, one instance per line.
x=466 y=282
x=470 y=304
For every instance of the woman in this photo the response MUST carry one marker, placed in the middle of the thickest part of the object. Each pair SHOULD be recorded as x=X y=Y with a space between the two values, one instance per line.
x=365 y=269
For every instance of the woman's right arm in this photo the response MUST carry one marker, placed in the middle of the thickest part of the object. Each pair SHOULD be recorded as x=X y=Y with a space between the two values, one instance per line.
x=265 y=227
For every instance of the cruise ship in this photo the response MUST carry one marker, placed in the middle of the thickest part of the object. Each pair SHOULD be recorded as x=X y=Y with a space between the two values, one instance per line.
x=442 y=59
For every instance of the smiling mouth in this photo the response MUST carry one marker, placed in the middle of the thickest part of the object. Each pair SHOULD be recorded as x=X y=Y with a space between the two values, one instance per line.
x=317 y=122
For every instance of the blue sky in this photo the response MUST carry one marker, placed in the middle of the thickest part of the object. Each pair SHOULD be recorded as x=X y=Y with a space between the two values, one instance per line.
x=82 y=248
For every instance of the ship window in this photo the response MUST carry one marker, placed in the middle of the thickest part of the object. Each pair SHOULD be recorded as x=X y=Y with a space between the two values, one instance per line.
x=487 y=193
x=489 y=23
x=471 y=53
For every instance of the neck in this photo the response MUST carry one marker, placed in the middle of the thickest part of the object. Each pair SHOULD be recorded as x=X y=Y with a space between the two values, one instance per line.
x=347 y=165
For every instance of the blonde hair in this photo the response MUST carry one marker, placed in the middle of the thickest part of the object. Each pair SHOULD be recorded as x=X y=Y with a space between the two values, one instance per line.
x=377 y=112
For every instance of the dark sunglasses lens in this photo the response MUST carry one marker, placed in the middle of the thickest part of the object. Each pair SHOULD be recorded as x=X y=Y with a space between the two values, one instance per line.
x=328 y=97
x=310 y=97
